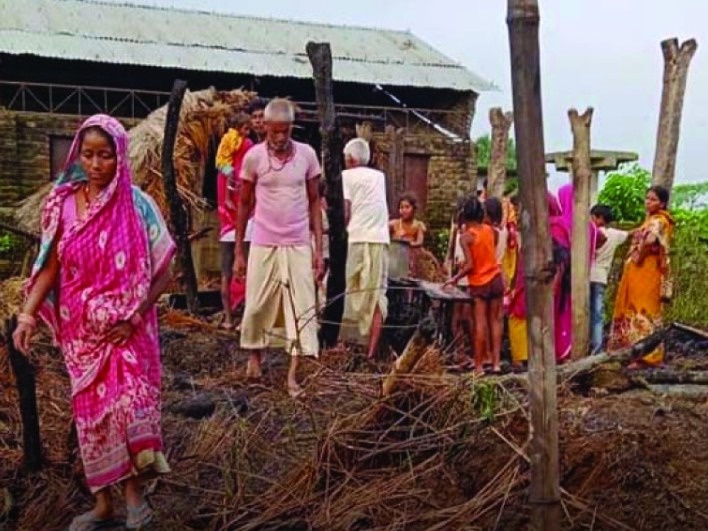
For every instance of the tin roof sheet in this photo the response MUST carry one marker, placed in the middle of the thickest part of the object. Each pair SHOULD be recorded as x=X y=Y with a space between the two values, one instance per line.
x=130 y=34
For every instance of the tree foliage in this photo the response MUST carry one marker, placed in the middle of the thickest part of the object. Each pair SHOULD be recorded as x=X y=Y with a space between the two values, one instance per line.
x=624 y=191
x=626 y=188
x=484 y=152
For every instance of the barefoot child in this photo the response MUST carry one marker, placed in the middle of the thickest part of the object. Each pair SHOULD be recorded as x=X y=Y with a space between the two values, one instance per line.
x=462 y=321
x=608 y=241
x=485 y=284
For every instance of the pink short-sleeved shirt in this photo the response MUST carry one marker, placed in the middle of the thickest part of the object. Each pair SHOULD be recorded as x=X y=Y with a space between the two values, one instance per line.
x=282 y=215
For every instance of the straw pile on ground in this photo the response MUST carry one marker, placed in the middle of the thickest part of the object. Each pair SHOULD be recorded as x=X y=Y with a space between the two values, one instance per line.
x=203 y=120
x=442 y=452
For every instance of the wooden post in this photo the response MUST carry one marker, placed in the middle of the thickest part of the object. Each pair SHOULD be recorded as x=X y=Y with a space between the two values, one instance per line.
x=523 y=22
x=594 y=185
x=496 y=175
x=676 y=63
x=320 y=55
x=580 y=238
x=26 y=387
x=178 y=212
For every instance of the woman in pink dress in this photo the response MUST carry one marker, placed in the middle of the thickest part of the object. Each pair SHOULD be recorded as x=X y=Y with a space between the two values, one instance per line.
x=104 y=260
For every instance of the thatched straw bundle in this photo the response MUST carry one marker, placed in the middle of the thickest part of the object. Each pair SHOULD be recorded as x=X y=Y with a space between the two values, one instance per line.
x=203 y=120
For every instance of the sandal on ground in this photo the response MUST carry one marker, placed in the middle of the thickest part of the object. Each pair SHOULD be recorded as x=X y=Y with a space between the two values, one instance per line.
x=139 y=517
x=90 y=522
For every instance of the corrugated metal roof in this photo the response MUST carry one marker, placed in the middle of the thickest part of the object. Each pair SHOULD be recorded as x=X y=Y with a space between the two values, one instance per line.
x=152 y=36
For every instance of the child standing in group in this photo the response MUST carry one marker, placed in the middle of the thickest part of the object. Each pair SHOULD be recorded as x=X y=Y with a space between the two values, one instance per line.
x=608 y=240
x=229 y=157
x=486 y=286
x=407 y=228
x=462 y=321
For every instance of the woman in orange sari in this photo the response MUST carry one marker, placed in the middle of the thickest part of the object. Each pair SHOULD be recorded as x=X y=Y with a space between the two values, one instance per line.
x=646 y=280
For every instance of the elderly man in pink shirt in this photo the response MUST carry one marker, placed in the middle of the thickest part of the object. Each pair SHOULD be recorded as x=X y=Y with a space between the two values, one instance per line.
x=280 y=286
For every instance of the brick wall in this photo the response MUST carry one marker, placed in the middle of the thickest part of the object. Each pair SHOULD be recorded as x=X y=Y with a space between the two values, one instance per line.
x=25 y=157
x=452 y=172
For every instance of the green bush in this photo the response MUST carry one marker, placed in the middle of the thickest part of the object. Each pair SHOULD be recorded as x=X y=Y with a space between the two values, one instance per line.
x=624 y=191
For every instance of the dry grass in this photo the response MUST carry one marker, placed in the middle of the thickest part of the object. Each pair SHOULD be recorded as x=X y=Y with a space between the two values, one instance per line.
x=443 y=452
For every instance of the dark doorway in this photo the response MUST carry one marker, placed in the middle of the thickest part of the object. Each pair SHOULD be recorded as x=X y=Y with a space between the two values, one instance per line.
x=415 y=179
x=59 y=147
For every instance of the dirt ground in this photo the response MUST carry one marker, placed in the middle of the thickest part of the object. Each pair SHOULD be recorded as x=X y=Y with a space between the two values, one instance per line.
x=446 y=452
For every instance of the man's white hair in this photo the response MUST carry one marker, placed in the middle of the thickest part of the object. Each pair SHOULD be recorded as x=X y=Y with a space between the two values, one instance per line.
x=358 y=150
x=279 y=110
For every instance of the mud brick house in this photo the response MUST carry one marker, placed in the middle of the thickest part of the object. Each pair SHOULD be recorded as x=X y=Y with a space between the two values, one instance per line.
x=61 y=60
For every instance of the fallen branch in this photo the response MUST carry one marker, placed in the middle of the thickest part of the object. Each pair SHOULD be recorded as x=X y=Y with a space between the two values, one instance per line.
x=639 y=349
x=412 y=353
x=669 y=376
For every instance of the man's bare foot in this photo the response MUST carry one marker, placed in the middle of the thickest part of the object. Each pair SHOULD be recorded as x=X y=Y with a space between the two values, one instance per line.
x=295 y=391
x=253 y=369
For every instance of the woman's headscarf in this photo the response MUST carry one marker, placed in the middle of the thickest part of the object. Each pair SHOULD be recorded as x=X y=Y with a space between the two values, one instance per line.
x=111 y=237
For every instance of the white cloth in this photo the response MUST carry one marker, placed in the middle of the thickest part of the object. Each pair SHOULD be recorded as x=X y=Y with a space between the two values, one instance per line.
x=365 y=189
x=600 y=269
x=249 y=231
x=501 y=244
x=280 y=300
x=460 y=257
x=229 y=237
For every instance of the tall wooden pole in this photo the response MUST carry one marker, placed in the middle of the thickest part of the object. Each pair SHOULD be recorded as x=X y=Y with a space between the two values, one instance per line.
x=523 y=22
x=320 y=55
x=178 y=212
x=580 y=248
x=501 y=123
x=24 y=372
x=676 y=63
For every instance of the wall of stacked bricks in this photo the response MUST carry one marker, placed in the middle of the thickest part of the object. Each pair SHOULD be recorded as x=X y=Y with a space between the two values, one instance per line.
x=25 y=154
x=452 y=172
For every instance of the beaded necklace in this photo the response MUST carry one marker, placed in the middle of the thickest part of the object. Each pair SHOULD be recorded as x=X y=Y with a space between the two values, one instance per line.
x=271 y=155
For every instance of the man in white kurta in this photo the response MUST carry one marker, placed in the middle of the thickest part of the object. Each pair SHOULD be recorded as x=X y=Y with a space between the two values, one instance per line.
x=366 y=212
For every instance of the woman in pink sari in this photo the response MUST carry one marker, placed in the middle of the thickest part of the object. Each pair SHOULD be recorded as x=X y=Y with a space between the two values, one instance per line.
x=104 y=261
x=561 y=232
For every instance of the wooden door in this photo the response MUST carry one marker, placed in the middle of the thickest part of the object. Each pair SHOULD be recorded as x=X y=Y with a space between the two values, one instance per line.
x=415 y=179
x=59 y=147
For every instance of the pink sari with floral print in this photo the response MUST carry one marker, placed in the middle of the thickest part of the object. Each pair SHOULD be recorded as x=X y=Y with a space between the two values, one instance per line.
x=107 y=262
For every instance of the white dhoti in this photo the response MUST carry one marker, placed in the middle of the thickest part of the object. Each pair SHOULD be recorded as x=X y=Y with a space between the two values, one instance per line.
x=367 y=281
x=280 y=300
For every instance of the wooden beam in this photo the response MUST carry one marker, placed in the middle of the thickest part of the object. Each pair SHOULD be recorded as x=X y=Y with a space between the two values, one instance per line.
x=676 y=62
x=544 y=493
x=320 y=55
x=24 y=372
x=501 y=123
x=178 y=212
x=580 y=238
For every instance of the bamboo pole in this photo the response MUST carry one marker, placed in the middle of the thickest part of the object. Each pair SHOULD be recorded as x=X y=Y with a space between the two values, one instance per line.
x=501 y=123
x=580 y=248
x=178 y=212
x=320 y=55
x=676 y=62
x=523 y=21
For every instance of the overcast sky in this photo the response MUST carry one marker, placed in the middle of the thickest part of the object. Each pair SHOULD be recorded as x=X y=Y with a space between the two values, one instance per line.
x=599 y=53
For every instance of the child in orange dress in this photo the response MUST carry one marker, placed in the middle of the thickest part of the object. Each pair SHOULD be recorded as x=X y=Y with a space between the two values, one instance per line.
x=486 y=285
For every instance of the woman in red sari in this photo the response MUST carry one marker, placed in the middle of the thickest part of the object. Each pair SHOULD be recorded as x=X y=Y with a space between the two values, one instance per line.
x=104 y=261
